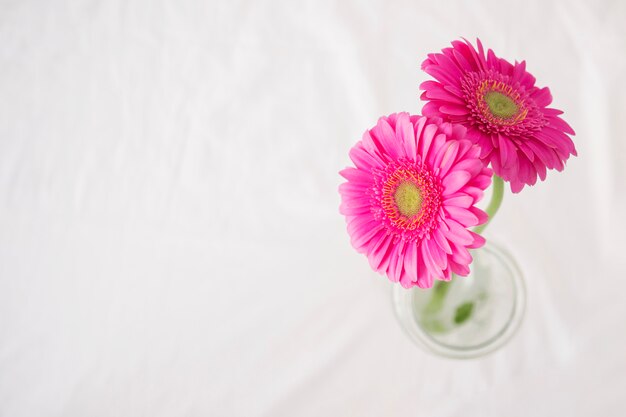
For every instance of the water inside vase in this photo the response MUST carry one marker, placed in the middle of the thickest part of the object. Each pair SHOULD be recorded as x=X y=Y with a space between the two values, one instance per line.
x=468 y=316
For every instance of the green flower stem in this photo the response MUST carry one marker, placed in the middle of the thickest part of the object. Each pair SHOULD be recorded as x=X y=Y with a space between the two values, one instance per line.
x=441 y=288
x=435 y=304
x=494 y=204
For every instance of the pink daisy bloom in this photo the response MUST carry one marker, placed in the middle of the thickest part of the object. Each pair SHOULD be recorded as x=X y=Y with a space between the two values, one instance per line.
x=411 y=197
x=505 y=114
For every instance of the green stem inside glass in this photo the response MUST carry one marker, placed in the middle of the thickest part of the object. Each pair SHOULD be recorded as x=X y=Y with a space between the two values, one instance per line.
x=441 y=288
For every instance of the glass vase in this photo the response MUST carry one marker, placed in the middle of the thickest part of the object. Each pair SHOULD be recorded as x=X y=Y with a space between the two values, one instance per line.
x=468 y=316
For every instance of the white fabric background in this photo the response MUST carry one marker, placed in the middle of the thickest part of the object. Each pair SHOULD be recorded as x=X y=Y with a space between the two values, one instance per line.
x=170 y=243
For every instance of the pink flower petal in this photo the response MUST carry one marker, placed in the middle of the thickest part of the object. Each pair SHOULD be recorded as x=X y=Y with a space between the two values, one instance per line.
x=547 y=155
x=479 y=241
x=387 y=138
x=410 y=261
x=432 y=267
x=461 y=215
x=438 y=142
x=517 y=186
x=354 y=209
x=396 y=262
x=406 y=135
x=435 y=91
x=459 y=200
x=438 y=256
x=362 y=233
x=458 y=234
x=481 y=215
x=460 y=254
x=470 y=165
x=455 y=181
x=459 y=269
x=425 y=140
x=363 y=160
x=454 y=110
x=542 y=96
x=560 y=125
x=353 y=189
x=507 y=151
x=442 y=241
x=425 y=278
x=441 y=75
x=446 y=158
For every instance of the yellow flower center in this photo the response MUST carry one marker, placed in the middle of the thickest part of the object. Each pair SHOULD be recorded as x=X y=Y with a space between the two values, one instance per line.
x=408 y=199
x=500 y=105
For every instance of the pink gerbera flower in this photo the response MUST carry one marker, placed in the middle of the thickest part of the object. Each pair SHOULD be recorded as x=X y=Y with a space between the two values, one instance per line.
x=411 y=197
x=502 y=109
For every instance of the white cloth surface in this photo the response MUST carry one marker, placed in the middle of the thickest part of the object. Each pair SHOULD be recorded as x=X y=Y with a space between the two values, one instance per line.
x=170 y=242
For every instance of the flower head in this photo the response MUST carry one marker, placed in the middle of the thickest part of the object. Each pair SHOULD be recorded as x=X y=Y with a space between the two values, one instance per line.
x=502 y=109
x=411 y=196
